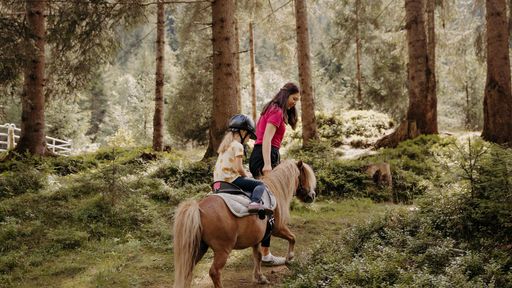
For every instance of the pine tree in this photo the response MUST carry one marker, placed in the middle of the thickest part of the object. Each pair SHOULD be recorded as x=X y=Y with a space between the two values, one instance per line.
x=419 y=112
x=309 y=129
x=33 y=138
x=158 y=117
x=225 y=85
x=431 y=125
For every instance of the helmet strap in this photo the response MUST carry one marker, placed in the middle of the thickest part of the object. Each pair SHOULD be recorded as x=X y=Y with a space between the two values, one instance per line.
x=242 y=140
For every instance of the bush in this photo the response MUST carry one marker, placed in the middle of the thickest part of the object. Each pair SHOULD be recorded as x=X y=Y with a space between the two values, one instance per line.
x=63 y=166
x=352 y=127
x=342 y=179
x=195 y=173
x=414 y=165
x=399 y=250
x=23 y=178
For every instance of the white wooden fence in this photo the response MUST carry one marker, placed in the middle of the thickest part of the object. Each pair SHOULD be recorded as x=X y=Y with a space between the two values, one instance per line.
x=10 y=134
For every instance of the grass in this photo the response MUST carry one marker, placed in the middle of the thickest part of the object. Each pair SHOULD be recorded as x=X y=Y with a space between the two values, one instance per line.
x=139 y=261
x=324 y=219
x=104 y=220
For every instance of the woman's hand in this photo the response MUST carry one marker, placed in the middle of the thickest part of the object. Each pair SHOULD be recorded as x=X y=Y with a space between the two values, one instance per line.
x=266 y=169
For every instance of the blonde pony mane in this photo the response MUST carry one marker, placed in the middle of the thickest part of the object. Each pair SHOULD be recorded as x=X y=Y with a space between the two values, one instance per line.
x=283 y=181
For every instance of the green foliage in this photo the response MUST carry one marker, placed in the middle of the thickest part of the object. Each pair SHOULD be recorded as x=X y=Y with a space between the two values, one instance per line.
x=459 y=236
x=190 y=107
x=341 y=179
x=357 y=128
x=177 y=175
x=63 y=166
x=414 y=165
x=480 y=210
x=400 y=250
x=22 y=177
x=338 y=178
x=67 y=238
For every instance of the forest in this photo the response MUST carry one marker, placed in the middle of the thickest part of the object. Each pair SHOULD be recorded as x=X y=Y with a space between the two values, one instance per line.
x=113 y=115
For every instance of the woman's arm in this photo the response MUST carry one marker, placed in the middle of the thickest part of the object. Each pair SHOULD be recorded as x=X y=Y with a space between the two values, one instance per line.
x=270 y=130
x=240 y=167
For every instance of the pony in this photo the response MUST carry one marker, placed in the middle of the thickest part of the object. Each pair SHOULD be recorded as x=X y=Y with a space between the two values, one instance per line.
x=208 y=223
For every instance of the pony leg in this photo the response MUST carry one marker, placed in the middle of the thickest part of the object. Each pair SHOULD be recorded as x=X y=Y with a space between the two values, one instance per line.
x=285 y=233
x=258 y=276
x=219 y=260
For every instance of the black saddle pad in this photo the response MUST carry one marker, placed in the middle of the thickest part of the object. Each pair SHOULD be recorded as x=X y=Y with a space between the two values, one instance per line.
x=230 y=188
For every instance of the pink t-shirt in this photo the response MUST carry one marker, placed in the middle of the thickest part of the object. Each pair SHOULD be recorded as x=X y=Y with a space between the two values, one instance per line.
x=274 y=116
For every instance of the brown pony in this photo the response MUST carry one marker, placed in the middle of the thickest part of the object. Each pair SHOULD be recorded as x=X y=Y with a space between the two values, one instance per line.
x=210 y=224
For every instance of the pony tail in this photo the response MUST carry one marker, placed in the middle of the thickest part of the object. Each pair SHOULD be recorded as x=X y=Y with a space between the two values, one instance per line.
x=187 y=238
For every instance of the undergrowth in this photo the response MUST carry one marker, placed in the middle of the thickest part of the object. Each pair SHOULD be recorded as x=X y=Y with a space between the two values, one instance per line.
x=458 y=236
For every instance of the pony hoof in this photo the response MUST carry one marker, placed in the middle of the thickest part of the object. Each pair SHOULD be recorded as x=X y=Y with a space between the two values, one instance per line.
x=262 y=280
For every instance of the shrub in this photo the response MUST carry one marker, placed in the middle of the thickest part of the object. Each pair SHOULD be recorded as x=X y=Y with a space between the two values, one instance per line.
x=24 y=178
x=177 y=175
x=342 y=179
x=356 y=127
x=63 y=166
x=94 y=210
x=399 y=250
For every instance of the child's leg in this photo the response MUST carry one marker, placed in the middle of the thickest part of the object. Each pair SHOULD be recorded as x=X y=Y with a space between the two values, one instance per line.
x=257 y=193
x=251 y=185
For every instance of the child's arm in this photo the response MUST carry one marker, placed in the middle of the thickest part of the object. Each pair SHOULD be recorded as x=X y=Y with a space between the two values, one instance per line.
x=240 y=167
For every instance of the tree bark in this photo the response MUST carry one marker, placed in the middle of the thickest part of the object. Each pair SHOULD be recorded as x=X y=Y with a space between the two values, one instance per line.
x=253 y=70
x=419 y=114
x=498 y=96
x=309 y=129
x=358 y=56
x=417 y=76
x=431 y=125
x=509 y=18
x=33 y=138
x=237 y=62
x=158 y=117
x=225 y=101
x=468 y=106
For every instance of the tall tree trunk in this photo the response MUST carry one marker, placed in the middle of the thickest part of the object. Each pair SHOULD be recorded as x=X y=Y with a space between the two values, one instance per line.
x=509 y=18
x=431 y=125
x=358 y=55
x=32 y=138
x=417 y=120
x=253 y=70
x=498 y=97
x=468 y=108
x=417 y=76
x=309 y=130
x=237 y=62
x=158 y=117
x=225 y=101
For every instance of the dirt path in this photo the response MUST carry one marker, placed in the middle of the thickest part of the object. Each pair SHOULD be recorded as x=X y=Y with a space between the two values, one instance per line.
x=323 y=221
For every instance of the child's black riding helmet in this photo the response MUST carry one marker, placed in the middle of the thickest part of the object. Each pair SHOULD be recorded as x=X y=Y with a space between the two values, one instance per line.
x=243 y=122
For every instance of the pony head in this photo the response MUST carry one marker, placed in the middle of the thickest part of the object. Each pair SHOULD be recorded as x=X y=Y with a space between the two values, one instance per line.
x=307 y=183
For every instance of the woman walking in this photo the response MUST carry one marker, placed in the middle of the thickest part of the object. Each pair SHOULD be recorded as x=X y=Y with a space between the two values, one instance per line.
x=270 y=130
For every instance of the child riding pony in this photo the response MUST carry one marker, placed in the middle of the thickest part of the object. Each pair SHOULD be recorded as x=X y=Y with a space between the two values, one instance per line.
x=209 y=223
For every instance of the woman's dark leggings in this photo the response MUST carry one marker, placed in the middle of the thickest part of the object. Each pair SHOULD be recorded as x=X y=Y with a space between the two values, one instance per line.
x=256 y=165
x=255 y=187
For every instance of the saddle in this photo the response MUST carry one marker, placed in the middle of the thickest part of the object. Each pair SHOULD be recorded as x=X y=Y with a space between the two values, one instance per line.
x=237 y=199
x=230 y=188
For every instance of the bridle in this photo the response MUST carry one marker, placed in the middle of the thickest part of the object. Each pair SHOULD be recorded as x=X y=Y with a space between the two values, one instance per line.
x=303 y=192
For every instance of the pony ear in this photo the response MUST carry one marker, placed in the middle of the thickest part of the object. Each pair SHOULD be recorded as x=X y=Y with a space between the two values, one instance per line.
x=300 y=164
